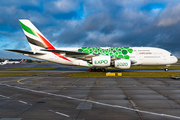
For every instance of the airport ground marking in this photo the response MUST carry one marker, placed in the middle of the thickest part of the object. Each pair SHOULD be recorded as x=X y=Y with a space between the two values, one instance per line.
x=59 y=113
x=23 y=102
x=19 y=81
x=19 y=100
x=91 y=101
x=4 y=96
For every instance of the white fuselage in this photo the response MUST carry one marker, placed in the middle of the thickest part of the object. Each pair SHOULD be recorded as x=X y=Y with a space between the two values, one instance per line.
x=9 y=62
x=12 y=62
x=152 y=56
x=140 y=56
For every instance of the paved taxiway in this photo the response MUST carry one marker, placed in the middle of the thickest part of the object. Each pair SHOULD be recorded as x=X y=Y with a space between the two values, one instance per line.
x=60 y=98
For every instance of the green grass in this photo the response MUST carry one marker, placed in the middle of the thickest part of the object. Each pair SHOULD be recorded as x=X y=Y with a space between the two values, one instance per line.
x=31 y=68
x=125 y=74
x=13 y=74
x=159 y=67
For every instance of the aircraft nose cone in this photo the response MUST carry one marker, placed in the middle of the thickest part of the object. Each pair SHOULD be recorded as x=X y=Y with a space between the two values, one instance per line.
x=176 y=60
x=173 y=60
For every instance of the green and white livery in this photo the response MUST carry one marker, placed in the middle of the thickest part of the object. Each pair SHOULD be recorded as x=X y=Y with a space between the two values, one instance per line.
x=121 y=52
x=92 y=57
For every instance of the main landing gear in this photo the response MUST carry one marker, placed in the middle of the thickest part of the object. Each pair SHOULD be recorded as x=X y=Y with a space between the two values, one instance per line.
x=97 y=70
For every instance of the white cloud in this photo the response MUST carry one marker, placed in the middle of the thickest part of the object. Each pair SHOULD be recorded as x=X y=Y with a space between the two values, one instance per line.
x=156 y=11
x=169 y=16
x=64 y=5
x=101 y=37
x=74 y=23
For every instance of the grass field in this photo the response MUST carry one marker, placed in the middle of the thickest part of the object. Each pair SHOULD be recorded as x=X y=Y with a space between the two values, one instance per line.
x=30 y=68
x=13 y=74
x=155 y=67
x=159 y=67
x=125 y=74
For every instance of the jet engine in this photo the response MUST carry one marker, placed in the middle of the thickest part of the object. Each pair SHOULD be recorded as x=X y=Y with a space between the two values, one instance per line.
x=101 y=61
x=122 y=64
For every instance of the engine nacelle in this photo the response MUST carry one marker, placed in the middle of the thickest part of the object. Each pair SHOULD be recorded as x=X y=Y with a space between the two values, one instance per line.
x=122 y=64
x=101 y=61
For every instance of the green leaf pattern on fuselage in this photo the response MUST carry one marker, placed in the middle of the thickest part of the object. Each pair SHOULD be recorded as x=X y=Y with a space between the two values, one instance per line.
x=121 y=52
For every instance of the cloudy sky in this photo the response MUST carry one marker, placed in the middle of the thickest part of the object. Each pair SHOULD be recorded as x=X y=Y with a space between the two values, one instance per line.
x=93 y=23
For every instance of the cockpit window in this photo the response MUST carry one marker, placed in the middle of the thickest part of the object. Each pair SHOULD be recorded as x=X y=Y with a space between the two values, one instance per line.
x=171 y=55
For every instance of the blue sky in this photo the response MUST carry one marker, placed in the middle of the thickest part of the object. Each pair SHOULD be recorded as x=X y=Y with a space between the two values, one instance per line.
x=77 y=23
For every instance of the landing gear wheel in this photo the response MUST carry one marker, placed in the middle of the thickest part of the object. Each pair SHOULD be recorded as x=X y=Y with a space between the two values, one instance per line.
x=103 y=69
x=166 y=69
x=92 y=69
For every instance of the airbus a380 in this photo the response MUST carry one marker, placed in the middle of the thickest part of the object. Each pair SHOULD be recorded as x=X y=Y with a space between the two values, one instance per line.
x=96 y=58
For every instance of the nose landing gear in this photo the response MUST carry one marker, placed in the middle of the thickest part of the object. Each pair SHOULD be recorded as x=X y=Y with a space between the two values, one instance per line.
x=166 y=68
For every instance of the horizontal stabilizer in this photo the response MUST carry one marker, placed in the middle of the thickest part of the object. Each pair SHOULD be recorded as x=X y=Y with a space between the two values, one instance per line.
x=24 y=52
x=67 y=52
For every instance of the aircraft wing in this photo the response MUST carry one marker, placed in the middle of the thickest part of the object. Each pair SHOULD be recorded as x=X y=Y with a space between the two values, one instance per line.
x=65 y=51
x=73 y=54
x=24 y=52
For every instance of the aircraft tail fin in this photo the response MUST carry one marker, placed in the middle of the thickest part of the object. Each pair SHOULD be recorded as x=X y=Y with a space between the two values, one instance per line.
x=5 y=62
x=21 y=61
x=35 y=38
